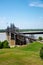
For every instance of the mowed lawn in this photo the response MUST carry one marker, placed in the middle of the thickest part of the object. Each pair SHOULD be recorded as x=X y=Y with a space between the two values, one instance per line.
x=23 y=55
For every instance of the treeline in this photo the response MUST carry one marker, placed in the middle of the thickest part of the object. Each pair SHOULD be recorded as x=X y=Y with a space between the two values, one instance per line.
x=22 y=30
x=2 y=30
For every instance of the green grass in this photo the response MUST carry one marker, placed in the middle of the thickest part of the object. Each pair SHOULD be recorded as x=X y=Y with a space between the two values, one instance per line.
x=32 y=47
x=24 y=55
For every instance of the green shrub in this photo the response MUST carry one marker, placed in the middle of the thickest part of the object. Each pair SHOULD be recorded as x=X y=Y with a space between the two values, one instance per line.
x=40 y=38
x=5 y=44
x=41 y=53
x=1 y=45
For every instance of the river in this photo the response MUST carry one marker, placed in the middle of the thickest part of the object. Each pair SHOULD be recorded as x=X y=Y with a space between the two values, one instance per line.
x=4 y=37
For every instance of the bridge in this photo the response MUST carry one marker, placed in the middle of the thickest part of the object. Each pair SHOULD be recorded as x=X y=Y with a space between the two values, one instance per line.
x=32 y=32
x=16 y=37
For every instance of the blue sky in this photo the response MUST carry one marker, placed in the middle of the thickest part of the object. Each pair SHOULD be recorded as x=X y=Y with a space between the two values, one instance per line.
x=25 y=14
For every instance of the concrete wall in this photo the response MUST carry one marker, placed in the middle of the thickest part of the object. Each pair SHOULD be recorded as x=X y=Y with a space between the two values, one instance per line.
x=11 y=42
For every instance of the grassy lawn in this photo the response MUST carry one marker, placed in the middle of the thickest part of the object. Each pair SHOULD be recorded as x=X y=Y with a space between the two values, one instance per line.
x=24 y=55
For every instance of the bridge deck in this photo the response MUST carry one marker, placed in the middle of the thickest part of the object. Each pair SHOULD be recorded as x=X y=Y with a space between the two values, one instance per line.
x=39 y=32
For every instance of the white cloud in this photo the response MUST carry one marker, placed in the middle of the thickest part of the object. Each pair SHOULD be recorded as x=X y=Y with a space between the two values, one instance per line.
x=36 y=4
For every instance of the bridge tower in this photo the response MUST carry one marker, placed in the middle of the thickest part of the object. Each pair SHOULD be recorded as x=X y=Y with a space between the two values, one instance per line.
x=10 y=31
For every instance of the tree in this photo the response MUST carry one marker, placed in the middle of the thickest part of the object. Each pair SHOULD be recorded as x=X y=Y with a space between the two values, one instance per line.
x=41 y=53
x=40 y=38
x=5 y=44
x=1 y=45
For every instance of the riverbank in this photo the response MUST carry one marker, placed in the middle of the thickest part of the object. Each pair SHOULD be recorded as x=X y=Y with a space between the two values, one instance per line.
x=27 y=55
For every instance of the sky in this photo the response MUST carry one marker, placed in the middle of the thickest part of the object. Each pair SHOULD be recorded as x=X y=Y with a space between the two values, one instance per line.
x=24 y=14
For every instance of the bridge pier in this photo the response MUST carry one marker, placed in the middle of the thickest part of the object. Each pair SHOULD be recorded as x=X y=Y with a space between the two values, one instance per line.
x=11 y=39
x=31 y=36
